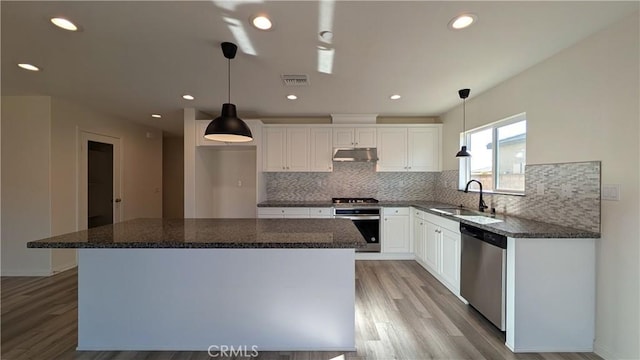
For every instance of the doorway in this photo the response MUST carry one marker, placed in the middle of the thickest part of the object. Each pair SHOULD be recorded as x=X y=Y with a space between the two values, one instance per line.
x=99 y=184
x=99 y=195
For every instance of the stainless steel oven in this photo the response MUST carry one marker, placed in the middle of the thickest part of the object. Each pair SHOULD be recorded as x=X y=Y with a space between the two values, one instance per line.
x=367 y=220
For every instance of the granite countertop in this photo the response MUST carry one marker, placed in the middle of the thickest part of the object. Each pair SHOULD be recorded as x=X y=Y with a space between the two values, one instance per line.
x=213 y=233
x=510 y=226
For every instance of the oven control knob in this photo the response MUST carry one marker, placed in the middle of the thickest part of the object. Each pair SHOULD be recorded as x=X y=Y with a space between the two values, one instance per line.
x=373 y=239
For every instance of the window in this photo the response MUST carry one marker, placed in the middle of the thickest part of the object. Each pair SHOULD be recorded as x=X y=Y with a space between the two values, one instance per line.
x=498 y=155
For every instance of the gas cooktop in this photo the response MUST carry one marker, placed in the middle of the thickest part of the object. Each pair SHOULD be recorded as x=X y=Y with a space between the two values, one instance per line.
x=354 y=200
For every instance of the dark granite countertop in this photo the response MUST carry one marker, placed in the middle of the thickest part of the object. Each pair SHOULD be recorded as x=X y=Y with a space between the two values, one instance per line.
x=213 y=233
x=510 y=226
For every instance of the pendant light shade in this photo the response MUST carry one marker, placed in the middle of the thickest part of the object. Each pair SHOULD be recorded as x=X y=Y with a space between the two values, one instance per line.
x=464 y=94
x=228 y=127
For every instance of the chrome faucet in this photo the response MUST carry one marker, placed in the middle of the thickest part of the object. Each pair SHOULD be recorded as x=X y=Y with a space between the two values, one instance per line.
x=481 y=204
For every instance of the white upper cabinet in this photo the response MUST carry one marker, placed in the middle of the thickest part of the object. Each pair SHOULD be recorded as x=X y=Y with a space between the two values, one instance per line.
x=201 y=126
x=320 y=149
x=392 y=149
x=347 y=137
x=423 y=149
x=409 y=149
x=286 y=149
x=297 y=149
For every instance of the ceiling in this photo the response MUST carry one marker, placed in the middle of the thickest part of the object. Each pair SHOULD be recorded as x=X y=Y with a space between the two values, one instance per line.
x=132 y=59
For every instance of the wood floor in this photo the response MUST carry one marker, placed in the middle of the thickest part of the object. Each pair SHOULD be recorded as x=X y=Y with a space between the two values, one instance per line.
x=402 y=312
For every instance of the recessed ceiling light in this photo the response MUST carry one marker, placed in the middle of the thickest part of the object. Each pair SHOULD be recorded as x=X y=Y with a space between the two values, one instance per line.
x=157 y=116
x=291 y=97
x=64 y=24
x=462 y=21
x=187 y=97
x=261 y=22
x=29 y=67
x=395 y=97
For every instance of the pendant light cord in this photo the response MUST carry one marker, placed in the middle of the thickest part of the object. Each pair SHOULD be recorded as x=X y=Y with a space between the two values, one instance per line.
x=229 y=81
x=464 y=121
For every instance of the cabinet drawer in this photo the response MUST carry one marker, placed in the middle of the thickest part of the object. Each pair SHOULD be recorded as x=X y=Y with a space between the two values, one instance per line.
x=396 y=211
x=283 y=211
x=442 y=222
x=418 y=213
x=319 y=212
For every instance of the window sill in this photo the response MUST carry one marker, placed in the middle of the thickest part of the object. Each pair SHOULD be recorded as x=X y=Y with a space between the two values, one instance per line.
x=494 y=192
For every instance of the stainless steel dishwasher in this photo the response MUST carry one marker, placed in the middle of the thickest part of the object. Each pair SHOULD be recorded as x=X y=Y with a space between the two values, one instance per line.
x=483 y=265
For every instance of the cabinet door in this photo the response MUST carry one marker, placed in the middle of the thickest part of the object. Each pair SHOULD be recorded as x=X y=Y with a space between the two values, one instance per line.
x=275 y=149
x=450 y=270
x=432 y=246
x=365 y=137
x=320 y=149
x=423 y=149
x=297 y=149
x=418 y=237
x=343 y=137
x=396 y=234
x=392 y=149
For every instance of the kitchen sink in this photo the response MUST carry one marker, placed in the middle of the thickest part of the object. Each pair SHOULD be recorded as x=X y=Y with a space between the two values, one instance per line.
x=466 y=214
x=479 y=219
x=455 y=211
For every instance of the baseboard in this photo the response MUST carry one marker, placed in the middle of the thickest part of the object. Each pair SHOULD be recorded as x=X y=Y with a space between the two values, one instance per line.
x=604 y=352
x=384 y=256
x=27 y=272
x=65 y=267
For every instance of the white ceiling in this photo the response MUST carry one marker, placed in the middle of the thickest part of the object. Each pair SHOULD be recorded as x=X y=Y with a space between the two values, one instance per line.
x=132 y=59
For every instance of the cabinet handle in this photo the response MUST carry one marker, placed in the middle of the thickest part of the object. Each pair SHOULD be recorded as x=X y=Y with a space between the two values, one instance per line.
x=283 y=168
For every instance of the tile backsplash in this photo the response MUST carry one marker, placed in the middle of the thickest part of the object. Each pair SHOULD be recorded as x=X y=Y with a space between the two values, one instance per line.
x=569 y=195
x=350 y=179
x=566 y=194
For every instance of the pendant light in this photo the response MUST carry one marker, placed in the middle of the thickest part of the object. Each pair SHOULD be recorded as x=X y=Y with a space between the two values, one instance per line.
x=228 y=126
x=464 y=94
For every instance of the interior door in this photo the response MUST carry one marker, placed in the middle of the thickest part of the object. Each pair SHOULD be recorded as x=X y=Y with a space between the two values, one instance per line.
x=99 y=191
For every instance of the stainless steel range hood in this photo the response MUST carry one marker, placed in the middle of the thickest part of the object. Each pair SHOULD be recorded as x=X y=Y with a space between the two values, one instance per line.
x=355 y=154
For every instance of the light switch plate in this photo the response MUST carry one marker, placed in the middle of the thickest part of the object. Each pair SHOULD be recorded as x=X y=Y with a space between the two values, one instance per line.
x=611 y=192
x=540 y=189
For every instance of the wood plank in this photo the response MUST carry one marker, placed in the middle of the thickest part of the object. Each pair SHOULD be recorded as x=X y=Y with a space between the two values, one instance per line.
x=402 y=312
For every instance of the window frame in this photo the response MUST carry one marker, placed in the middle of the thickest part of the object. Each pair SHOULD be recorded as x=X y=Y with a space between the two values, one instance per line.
x=464 y=166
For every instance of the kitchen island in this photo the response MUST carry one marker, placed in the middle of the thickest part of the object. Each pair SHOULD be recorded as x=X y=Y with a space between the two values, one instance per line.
x=189 y=284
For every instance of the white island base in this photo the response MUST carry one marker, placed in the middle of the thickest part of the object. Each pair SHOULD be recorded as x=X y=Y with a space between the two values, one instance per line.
x=191 y=299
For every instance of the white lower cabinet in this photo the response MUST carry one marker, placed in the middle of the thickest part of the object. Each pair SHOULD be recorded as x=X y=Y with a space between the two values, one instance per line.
x=396 y=231
x=437 y=247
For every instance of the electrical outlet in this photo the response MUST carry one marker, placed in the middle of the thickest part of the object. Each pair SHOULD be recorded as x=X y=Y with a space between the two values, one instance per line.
x=239 y=183
x=565 y=190
x=540 y=189
x=611 y=192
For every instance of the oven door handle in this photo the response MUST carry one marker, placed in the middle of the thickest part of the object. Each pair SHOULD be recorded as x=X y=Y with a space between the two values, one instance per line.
x=357 y=217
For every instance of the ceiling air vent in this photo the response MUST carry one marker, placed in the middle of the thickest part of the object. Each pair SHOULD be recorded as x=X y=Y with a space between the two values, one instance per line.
x=295 y=80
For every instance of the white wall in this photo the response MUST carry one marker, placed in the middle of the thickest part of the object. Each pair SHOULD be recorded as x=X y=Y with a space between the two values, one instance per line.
x=141 y=163
x=226 y=182
x=26 y=210
x=39 y=128
x=583 y=104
